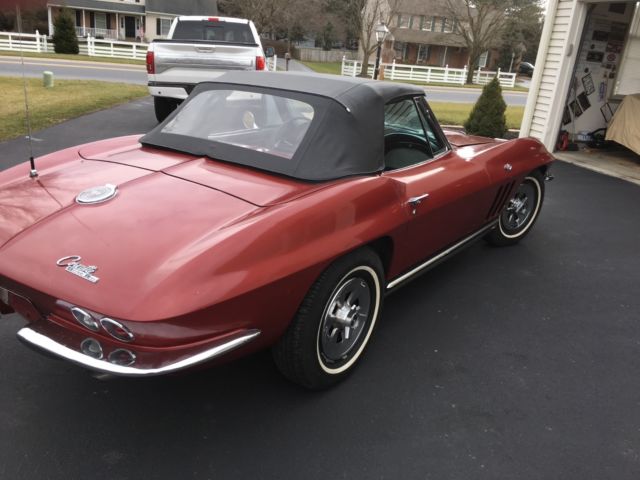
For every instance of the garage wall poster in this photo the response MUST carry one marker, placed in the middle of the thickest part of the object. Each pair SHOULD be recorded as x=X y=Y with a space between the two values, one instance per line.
x=597 y=66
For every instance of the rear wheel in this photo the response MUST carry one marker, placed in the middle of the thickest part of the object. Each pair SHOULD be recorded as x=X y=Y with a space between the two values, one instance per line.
x=520 y=212
x=333 y=325
x=164 y=106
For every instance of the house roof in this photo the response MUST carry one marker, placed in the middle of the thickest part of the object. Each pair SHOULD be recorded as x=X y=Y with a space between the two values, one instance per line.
x=427 y=38
x=191 y=7
x=99 y=5
x=420 y=7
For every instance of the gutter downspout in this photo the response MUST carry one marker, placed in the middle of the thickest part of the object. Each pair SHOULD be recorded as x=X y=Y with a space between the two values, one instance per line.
x=545 y=40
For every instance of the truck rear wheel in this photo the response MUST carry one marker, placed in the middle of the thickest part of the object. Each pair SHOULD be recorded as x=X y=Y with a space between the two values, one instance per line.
x=164 y=106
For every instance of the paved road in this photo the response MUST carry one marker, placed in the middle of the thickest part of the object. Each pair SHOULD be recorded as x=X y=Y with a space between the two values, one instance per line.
x=514 y=363
x=73 y=69
x=69 y=69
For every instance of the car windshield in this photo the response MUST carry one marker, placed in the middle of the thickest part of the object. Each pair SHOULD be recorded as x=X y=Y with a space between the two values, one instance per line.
x=214 y=31
x=255 y=121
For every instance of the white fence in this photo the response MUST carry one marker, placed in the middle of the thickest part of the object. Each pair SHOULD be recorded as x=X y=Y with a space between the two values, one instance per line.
x=113 y=48
x=27 y=42
x=415 y=73
x=35 y=42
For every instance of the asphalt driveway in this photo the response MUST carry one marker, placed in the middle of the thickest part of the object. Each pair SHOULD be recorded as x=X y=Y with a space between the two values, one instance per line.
x=514 y=363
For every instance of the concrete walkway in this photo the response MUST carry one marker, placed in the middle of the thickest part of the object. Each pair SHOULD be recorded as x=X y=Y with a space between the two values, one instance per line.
x=294 y=65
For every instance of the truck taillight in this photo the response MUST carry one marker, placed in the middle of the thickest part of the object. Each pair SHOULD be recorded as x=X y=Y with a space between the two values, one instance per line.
x=261 y=63
x=151 y=66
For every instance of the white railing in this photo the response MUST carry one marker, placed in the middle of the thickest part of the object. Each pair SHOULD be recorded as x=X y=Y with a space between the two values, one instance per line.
x=112 y=48
x=415 y=73
x=96 y=32
x=26 y=42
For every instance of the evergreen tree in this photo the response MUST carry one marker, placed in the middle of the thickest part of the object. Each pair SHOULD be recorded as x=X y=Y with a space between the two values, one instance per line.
x=487 y=117
x=64 y=33
x=327 y=36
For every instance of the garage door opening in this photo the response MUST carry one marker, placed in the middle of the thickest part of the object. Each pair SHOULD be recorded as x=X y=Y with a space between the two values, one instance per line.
x=585 y=102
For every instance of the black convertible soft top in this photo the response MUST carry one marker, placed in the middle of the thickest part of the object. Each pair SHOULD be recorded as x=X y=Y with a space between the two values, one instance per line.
x=346 y=136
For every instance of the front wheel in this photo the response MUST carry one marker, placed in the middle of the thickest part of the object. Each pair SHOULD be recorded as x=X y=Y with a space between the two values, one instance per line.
x=520 y=212
x=334 y=323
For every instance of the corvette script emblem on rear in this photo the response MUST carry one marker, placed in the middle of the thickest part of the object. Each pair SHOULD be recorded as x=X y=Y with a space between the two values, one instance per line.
x=72 y=265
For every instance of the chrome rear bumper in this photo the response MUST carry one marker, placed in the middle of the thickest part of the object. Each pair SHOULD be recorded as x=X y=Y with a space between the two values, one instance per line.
x=69 y=346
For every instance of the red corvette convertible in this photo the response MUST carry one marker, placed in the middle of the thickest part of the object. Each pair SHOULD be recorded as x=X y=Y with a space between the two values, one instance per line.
x=270 y=210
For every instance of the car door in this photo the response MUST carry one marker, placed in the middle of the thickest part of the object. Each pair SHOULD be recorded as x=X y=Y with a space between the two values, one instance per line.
x=443 y=196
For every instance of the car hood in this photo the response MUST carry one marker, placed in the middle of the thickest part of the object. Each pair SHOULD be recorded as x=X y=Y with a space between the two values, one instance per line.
x=156 y=225
x=251 y=185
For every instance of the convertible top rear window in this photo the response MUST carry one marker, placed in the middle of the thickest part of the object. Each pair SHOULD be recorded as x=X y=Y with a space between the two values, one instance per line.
x=308 y=127
x=251 y=120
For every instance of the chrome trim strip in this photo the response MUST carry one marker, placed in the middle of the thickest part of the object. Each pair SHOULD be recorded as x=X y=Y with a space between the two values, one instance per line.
x=40 y=341
x=440 y=256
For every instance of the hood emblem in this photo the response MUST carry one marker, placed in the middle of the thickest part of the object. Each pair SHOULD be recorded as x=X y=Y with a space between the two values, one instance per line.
x=72 y=264
x=97 y=194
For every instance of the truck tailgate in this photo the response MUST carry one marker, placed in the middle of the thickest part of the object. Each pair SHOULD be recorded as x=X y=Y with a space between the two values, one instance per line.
x=174 y=62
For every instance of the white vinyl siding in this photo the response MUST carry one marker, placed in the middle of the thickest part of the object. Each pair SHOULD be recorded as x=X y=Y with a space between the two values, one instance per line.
x=628 y=78
x=555 y=66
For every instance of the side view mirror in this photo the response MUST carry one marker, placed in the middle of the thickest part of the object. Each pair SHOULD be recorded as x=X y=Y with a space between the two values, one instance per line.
x=269 y=52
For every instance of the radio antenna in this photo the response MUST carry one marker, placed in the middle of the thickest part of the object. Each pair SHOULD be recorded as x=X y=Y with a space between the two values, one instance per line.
x=33 y=173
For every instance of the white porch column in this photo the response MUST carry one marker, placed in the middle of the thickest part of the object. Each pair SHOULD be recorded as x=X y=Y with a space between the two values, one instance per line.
x=84 y=28
x=117 y=27
x=50 y=20
x=444 y=57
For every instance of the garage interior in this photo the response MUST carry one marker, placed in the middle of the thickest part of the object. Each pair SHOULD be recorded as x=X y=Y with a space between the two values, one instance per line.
x=605 y=79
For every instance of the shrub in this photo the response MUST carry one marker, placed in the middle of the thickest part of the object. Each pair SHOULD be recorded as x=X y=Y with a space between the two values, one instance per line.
x=64 y=33
x=487 y=116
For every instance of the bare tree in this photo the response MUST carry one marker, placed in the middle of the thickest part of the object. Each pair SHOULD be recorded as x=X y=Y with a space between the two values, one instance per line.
x=361 y=18
x=271 y=16
x=480 y=23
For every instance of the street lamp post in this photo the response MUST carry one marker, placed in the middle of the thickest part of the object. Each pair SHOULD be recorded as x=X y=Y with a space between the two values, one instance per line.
x=381 y=33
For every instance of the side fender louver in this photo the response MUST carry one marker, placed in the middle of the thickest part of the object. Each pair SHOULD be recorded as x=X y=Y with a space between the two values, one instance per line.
x=501 y=197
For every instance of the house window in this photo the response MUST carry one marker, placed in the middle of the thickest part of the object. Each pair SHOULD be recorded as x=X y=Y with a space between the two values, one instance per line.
x=78 y=18
x=403 y=20
x=101 y=21
x=447 y=25
x=437 y=24
x=416 y=22
x=401 y=49
x=484 y=58
x=423 y=53
x=162 y=26
x=427 y=24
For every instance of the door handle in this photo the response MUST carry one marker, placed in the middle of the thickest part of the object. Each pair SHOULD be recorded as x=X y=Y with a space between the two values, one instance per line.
x=413 y=202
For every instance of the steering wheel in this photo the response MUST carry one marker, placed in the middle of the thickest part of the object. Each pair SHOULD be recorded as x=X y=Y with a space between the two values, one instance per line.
x=290 y=133
x=403 y=140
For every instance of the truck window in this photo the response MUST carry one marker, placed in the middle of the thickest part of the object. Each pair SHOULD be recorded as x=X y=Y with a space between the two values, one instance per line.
x=214 y=31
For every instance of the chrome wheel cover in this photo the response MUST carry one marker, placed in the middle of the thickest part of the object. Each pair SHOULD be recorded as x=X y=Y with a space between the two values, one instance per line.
x=345 y=318
x=522 y=209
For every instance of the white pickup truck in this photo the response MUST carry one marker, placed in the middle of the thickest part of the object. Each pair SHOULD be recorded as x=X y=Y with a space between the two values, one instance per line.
x=199 y=49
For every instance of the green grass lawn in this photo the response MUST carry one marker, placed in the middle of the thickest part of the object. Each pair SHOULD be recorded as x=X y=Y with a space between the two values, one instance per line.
x=449 y=113
x=325 y=67
x=48 y=106
x=68 y=56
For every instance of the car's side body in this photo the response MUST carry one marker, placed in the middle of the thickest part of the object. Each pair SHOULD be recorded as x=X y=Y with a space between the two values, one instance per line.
x=198 y=257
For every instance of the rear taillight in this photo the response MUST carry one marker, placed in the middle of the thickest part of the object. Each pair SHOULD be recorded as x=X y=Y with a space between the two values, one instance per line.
x=261 y=63
x=151 y=66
